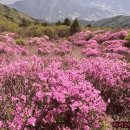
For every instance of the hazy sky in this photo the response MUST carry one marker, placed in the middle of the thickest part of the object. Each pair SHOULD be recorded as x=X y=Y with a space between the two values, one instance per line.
x=8 y=1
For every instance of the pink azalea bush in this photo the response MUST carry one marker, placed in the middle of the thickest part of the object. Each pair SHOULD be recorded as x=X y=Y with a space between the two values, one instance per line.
x=63 y=47
x=92 y=48
x=45 y=85
x=49 y=98
x=112 y=78
x=116 y=46
x=80 y=38
x=12 y=49
x=110 y=36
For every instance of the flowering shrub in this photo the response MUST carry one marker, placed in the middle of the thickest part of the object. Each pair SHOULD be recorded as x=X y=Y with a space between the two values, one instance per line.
x=92 y=48
x=91 y=52
x=110 y=36
x=13 y=35
x=112 y=78
x=113 y=55
x=117 y=46
x=6 y=38
x=49 y=98
x=13 y=50
x=63 y=47
x=69 y=84
x=80 y=38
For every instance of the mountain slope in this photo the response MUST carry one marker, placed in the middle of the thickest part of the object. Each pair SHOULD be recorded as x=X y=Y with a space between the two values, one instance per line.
x=54 y=10
x=119 y=21
x=13 y=15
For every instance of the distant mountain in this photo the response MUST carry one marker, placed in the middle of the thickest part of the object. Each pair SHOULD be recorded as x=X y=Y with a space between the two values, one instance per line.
x=117 y=21
x=54 y=10
x=120 y=21
x=90 y=11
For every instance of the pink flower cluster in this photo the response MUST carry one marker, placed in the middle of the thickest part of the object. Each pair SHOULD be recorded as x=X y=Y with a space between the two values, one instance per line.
x=51 y=98
x=112 y=78
x=117 y=46
x=80 y=38
x=92 y=48
x=110 y=36
x=65 y=84
x=63 y=47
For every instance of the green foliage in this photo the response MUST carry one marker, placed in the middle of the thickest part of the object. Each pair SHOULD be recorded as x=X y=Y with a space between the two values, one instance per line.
x=12 y=20
x=89 y=25
x=44 y=24
x=62 y=31
x=50 y=31
x=75 y=27
x=20 y=42
x=128 y=39
x=58 y=23
x=6 y=25
x=13 y=15
x=67 y=22
x=24 y=23
x=33 y=31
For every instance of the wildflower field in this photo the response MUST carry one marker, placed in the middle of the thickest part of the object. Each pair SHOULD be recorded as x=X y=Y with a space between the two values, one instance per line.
x=77 y=83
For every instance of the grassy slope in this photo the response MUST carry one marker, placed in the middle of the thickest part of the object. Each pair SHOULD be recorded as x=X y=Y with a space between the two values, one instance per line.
x=13 y=15
x=11 y=18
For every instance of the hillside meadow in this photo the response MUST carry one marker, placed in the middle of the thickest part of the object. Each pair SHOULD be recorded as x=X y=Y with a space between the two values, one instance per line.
x=77 y=82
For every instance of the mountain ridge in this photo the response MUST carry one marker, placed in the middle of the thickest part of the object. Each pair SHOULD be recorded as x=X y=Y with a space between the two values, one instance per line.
x=59 y=9
x=54 y=10
x=119 y=21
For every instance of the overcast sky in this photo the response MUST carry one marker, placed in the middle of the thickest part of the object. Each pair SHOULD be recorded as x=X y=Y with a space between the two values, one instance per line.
x=8 y=1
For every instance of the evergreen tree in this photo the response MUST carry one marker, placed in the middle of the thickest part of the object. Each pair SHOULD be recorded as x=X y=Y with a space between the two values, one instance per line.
x=89 y=25
x=75 y=27
x=58 y=23
x=44 y=24
x=67 y=22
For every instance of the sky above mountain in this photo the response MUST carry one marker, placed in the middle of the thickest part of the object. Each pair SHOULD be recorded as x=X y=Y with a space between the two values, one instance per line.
x=8 y=1
x=80 y=1
x=53 y=10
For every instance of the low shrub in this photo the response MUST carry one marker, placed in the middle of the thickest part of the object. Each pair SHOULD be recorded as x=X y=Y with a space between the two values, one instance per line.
x=48 y=98
x=19 y=42
x=50 y=31
x=33 y=31
x=128 y=39
x=62 y=31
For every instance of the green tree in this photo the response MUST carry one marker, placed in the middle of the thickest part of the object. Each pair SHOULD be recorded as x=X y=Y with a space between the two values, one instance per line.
x=67 y=22
x=75 y=27
x=58 y=23
x=89 y=25
x=45 y=24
